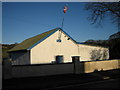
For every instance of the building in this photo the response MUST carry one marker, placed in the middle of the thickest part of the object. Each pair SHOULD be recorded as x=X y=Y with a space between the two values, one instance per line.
x=54 y=46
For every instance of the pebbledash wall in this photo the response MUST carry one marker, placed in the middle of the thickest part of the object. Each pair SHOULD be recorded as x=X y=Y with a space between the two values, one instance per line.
x=17 y=71
x=47 y=50
x=90 y=53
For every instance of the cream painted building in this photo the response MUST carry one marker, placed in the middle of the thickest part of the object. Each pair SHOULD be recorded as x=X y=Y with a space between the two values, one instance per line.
x=54 y=46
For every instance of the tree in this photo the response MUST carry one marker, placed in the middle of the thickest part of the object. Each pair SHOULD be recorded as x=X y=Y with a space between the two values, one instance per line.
x=114 y=36
x=100 y=10
x=103 y=43
x=114 y=48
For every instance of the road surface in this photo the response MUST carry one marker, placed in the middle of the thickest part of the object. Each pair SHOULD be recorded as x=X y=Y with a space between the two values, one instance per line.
x=112 y=83
x=103 y=79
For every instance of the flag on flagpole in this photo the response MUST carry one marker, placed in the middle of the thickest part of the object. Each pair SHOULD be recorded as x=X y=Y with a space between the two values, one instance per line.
x=65 y=9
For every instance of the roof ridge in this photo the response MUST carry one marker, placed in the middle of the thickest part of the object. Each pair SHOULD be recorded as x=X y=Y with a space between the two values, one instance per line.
x=41 y=33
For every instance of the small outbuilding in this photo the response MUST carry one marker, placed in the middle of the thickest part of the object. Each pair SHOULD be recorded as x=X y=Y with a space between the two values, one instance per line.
x=54 y=46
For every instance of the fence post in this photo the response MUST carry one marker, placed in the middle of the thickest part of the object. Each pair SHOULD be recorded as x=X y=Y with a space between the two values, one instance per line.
x=75 y=60
x=7 y=69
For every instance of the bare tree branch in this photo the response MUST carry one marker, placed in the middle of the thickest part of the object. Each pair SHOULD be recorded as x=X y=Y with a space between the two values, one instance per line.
x=100 y=10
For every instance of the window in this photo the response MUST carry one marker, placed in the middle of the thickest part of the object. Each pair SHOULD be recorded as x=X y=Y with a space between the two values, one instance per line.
x=59 y=59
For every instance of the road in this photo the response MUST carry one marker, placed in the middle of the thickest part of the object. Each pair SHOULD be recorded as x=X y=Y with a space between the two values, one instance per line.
x=103 y=79
x=112 y=83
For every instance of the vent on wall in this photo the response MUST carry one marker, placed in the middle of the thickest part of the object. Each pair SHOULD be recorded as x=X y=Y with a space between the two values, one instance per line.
x=68 y=39
x=58 y=40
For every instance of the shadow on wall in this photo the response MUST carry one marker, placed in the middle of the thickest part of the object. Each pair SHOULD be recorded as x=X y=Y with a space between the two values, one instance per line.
x=98 y=55
x=76 y=67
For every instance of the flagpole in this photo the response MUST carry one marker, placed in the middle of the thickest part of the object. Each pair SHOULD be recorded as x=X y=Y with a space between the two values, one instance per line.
x=65 y=9
x=62 y=23
x=61 y=28
x=59 y=37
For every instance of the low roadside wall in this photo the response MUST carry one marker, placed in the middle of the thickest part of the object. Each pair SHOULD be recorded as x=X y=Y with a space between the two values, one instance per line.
x=76 y=67
x=42 y=70
x=64 y=68
x=101 y=65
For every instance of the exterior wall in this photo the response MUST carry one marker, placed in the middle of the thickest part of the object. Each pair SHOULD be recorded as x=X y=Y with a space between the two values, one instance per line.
x=6 y=69
x=89 y=53
x=18 y=71
x=101 y=65
x=20 y=57
x=46 y=51
x=0 y=53
x=42 y=70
